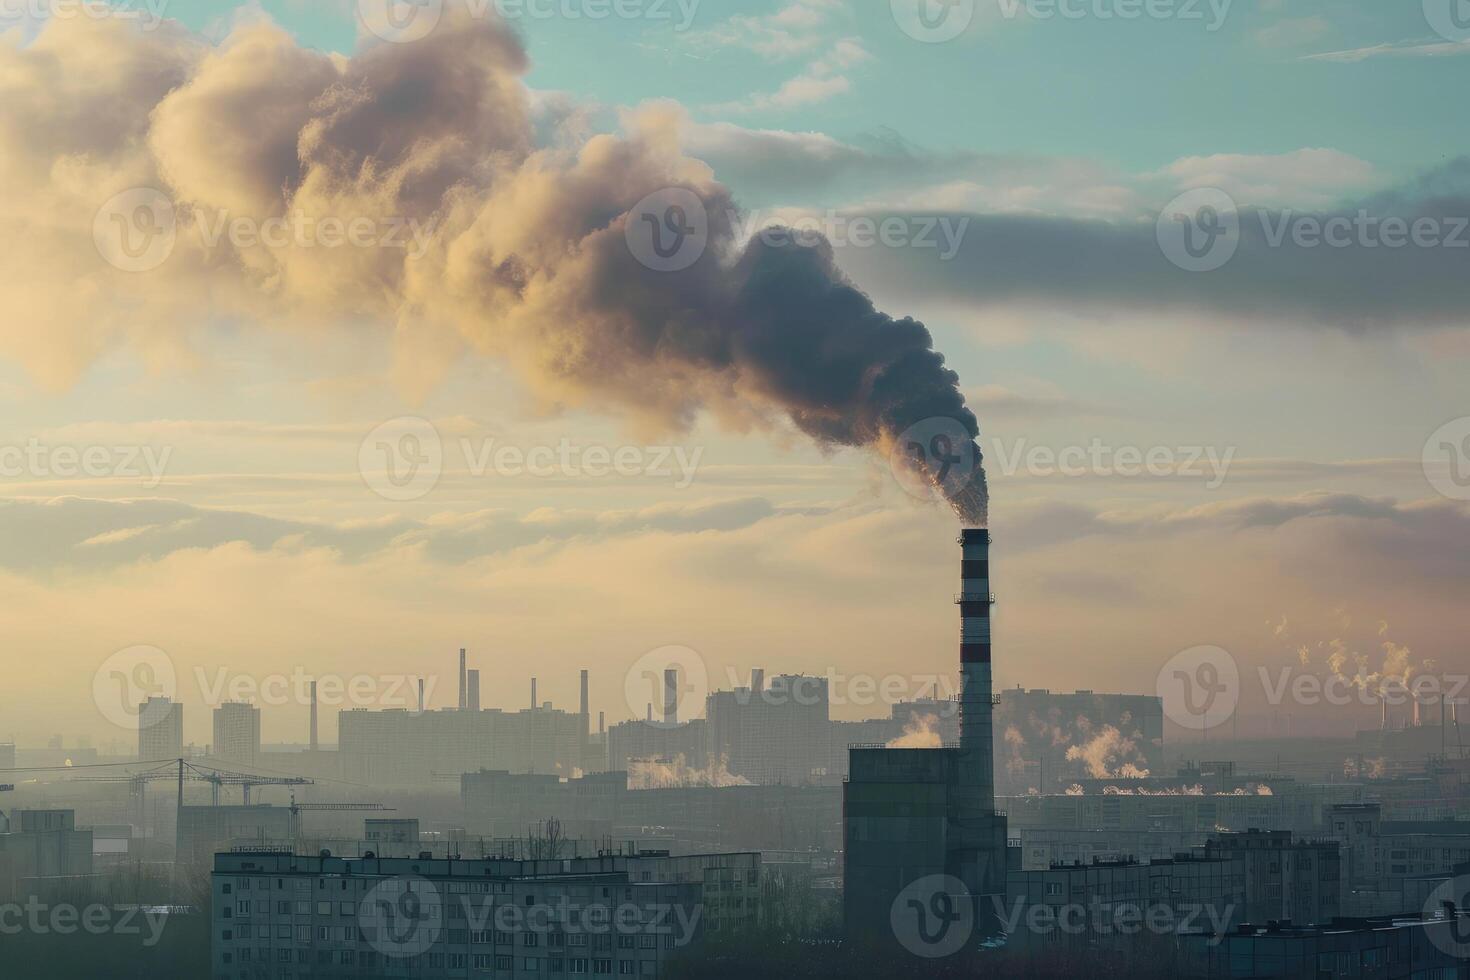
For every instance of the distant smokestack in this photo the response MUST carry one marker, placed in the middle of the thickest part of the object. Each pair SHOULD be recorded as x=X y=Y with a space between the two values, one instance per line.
x=602 y=723
x=649 y=716
x=671 y=696
x=976 y=709
x=315 y=744
x=464 y=692
x=1383 y=705
x=1418 y=716
x=533 y=694
x=586 y=704
x=757 y=680
x=474 y=696
x=421 y=695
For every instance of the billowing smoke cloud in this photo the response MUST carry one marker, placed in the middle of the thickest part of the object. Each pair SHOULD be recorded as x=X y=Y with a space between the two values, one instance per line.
x=468 y=236
x=921 y=732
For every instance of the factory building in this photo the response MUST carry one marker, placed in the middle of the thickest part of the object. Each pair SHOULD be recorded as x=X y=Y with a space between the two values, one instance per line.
x=41 y=846
x=916 y=815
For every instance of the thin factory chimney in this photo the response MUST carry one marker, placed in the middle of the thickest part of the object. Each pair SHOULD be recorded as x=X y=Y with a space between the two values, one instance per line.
x=463 y=682
x=671 y=696
x=421 y=695
x=586 y=704
x=315 y=744
x=533 y=694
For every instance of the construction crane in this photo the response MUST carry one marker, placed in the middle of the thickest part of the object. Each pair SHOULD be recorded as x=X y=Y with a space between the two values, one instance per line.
x=181 y=769
x=297 y=808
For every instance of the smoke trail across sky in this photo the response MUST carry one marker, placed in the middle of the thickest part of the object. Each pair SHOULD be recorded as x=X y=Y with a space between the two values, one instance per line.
x=231 y=163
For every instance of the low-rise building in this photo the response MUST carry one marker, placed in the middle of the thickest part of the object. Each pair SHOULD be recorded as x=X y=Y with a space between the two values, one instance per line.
x=1285 y=879
x=281 y=914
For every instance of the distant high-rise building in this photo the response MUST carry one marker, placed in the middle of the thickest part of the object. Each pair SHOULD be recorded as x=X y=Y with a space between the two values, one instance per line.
x=237 y=732
x=160 y=729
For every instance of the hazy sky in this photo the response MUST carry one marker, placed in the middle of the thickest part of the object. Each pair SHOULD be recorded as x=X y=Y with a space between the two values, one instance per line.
x=1313 y=374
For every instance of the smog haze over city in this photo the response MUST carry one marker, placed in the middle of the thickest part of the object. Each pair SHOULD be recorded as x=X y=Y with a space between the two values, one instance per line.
x=667 y=488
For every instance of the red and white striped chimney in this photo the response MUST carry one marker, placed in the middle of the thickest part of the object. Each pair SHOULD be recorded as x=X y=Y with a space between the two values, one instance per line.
x=976 y=685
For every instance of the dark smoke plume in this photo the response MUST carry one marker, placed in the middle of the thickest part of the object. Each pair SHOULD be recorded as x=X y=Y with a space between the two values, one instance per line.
x=511 y=247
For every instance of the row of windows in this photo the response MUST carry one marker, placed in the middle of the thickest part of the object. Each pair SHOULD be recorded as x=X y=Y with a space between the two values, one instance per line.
x=576 y=965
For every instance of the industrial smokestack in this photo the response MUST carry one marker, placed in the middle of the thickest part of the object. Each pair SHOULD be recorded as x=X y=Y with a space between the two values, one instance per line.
x=315 y=745
x=586 y=704
x=671 y=696
x=421 y=695
x=474 y=696
x=464 y=693
x=1383 y=705
x=533 y=694
x=976 y=707
x=602 y=723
